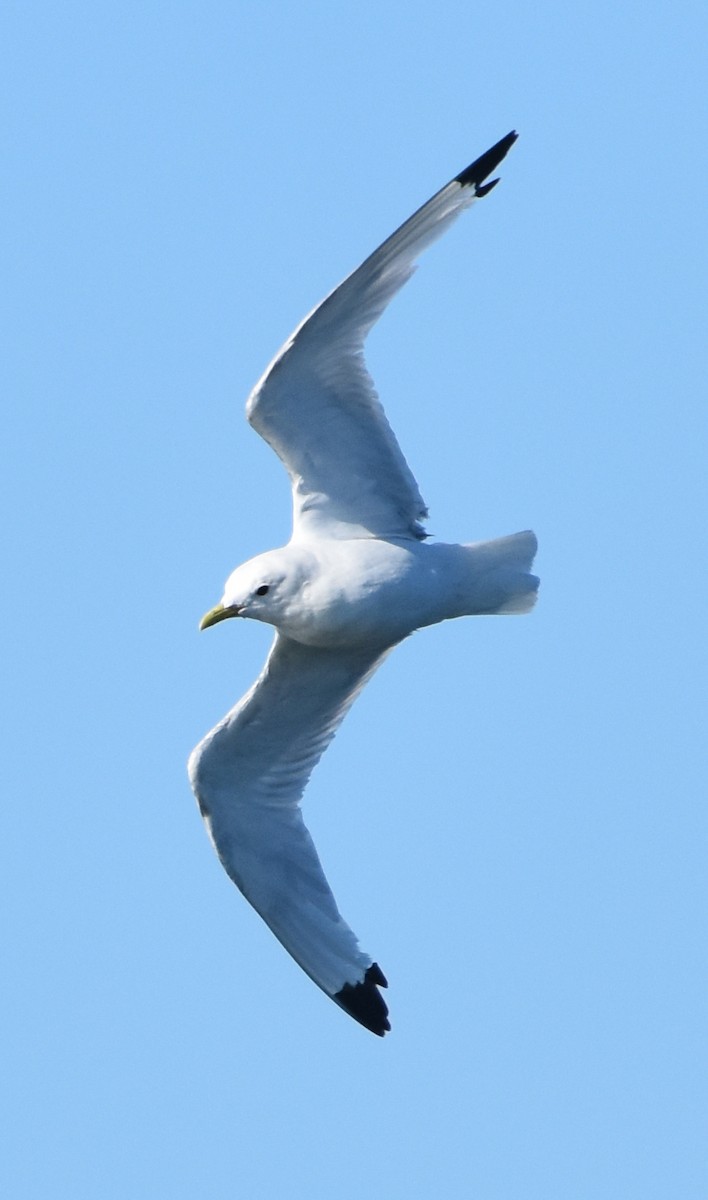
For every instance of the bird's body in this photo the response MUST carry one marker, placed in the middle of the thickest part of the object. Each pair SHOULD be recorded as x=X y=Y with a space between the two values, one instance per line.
x=356 y=578
x=375 y=592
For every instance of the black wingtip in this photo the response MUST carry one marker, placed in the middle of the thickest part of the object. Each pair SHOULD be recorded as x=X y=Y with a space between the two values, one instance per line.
x=477 y=172
x=365 y=1003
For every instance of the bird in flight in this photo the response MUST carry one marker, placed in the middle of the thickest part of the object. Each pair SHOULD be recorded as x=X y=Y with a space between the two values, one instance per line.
x=355 y=579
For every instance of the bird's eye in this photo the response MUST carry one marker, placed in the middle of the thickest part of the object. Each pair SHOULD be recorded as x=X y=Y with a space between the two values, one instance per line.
x=262 y=590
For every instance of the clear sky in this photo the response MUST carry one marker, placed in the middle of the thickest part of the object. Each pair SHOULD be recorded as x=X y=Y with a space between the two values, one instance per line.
x=513 y=815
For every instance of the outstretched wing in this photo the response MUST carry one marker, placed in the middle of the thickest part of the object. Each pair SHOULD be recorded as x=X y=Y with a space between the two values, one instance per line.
x=248 y=775
x=316 y=404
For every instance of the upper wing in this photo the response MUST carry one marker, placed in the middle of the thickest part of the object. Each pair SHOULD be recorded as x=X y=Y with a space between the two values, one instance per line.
x=248 y=775
x=316 y=404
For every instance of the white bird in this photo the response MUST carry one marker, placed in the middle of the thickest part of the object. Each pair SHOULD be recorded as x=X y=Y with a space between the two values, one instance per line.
x=355 y=579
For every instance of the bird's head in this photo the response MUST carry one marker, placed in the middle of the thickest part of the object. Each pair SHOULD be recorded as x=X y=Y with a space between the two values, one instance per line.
x=261 y=589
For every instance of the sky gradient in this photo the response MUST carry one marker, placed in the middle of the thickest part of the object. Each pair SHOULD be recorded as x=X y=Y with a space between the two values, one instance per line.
x=513 y=815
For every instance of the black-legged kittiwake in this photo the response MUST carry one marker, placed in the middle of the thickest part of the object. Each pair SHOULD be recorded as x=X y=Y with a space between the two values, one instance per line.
x=356 y=578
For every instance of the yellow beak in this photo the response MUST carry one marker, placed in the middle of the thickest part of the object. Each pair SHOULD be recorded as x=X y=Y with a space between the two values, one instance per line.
x=220 y=613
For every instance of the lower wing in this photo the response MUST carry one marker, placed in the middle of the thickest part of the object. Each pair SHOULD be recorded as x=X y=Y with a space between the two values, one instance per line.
x=249 y=774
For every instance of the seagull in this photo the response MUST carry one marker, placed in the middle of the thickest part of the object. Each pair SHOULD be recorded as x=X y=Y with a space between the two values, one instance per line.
x=355 y=579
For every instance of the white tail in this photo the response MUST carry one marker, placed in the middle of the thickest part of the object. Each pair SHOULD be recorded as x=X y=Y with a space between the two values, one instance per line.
x=505 y=584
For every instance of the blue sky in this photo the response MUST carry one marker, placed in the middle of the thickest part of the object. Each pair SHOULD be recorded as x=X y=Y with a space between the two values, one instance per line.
x=513 y=815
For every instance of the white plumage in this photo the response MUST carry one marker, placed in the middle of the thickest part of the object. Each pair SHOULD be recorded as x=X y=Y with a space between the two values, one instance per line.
x=355 y=579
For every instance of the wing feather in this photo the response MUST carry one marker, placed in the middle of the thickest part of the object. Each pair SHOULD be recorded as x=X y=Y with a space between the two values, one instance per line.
x=316 y=404
x=249 y=774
